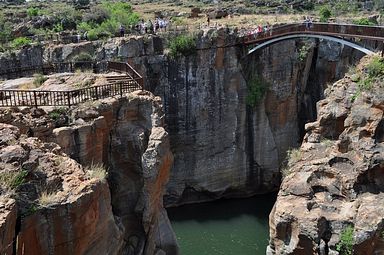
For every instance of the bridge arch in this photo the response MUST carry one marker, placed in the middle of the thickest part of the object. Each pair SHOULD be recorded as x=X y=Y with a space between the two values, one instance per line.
x=305 y=35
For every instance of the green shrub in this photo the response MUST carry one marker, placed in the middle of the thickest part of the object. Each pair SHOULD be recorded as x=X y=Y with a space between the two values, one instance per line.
x=39 y=79
x=82 y=57
x=92 y=35
x=58 y=27
x=33 y=11
x=345 y=245
x=376 y=67
x=5 y=31
x=364 y=21
x=56 y=113
x=182 y=45
x=303 y=52
x=325 y=13
x=256 y=90
x=20 y=42
x=121 y=13
x=178 y=21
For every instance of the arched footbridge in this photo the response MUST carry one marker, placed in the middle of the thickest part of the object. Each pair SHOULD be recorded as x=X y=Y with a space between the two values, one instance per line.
x=342 y=33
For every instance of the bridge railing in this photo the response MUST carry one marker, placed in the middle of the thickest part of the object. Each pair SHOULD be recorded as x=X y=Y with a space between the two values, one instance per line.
x=341 y=30
x=68 y=98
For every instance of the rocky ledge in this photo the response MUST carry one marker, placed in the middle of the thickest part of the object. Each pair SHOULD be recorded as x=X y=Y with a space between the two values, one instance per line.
x=331 y=200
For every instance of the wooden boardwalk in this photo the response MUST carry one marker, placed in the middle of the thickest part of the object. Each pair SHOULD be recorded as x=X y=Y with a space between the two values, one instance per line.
x=35 y=98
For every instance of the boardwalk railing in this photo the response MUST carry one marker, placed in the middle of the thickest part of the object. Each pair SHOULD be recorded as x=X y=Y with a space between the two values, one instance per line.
x=126 y=68
x=68 y=98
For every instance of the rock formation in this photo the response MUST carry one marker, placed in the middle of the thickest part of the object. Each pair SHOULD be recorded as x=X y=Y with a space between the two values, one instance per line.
x=222 y=146
x=122 y=216
x=335 y=181
x=59 y=207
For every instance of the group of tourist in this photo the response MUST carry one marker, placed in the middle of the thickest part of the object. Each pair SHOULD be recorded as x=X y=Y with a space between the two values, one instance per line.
x=253 y=33
x=159 y=24
x=143 y=27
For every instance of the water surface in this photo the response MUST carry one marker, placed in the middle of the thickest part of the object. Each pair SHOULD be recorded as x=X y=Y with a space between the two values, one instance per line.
x=228 y=227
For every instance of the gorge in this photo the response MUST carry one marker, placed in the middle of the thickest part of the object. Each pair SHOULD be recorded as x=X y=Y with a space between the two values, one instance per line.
x=193 y=138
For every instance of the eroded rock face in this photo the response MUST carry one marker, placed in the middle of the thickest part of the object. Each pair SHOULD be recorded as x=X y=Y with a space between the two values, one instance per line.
x=124 y=134
x=127 y=135
x=336 y=179
x=8 y=215
x=50 y=205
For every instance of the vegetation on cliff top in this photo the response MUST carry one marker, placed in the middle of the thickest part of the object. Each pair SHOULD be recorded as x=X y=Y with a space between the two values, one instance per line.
x=182 y=45
x=368 y=76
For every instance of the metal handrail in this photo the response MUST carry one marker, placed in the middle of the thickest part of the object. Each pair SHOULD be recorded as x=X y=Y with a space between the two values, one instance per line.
x=35 y=98
x=126 y=68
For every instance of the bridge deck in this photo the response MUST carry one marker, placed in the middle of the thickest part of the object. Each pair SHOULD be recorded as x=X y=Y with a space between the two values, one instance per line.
x=336 y=30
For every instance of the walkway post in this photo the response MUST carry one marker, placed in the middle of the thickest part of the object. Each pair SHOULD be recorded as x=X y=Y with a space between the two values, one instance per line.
x=69 y=99
x=35 y=98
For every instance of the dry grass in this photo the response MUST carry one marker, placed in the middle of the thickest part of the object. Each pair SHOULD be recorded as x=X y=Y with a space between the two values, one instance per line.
x=11 y=180
x=47 y=199
x=96 y=171
x=293 y=156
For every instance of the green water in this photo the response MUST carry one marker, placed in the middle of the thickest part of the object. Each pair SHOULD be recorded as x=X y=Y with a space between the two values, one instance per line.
x=228 y=227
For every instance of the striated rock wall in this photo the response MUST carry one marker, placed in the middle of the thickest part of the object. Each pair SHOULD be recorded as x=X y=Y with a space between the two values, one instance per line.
x=126 y=135
x=335 y=180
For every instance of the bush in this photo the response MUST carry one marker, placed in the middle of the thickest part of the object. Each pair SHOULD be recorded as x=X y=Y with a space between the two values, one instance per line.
x=178 y=21
x=20 y=42
x=82 y=57
x=5 y=31
x=256 y=90
x=58 y=27
x=376 y=67
x=364 y=21
x=56 y=113
x=325 y=13
x=39 y=79
x=182 y=45
x=345 y=245
x=92 y=35
x=303 y=51
x=33 y=12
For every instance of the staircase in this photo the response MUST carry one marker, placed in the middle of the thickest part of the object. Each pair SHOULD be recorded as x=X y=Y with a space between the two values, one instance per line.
x=125 y=79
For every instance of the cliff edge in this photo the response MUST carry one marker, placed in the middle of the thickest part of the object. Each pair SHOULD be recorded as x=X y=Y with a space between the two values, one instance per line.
x=331 y=200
